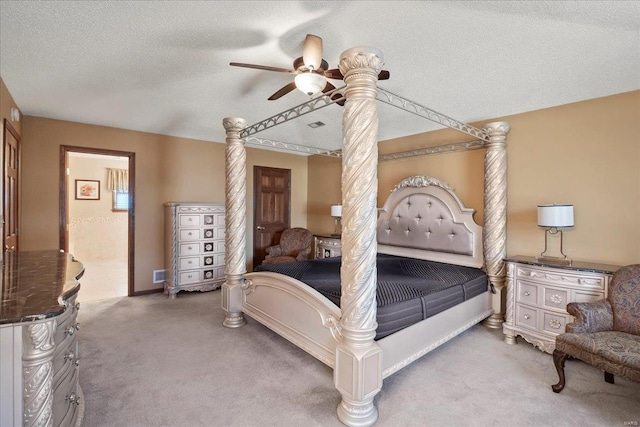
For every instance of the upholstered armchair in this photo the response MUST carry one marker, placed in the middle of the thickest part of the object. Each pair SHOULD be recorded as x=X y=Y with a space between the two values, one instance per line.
x=295 y=245
x=606 y=333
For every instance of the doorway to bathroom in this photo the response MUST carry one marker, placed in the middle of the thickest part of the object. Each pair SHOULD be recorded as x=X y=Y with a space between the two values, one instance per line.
x=96 y=218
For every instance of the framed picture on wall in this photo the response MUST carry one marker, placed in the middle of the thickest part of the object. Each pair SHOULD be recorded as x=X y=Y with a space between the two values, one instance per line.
x=87 y=189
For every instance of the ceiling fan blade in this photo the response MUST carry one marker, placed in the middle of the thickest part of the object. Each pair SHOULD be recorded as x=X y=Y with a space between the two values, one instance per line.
x=338 y=95
x=333 y=73
x=312 y=51
x=328 y=87
x=285 y=90
x=384 y=75
x=263 y=67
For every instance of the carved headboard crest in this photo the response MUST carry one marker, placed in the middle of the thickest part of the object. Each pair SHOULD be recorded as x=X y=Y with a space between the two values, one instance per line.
x=422 y=181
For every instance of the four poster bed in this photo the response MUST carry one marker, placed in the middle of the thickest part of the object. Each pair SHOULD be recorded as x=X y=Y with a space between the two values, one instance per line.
x=409 y=279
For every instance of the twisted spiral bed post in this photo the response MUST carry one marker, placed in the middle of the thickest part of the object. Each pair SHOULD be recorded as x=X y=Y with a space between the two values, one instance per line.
x=358 y=364
x=494 y=234
x=235 y=223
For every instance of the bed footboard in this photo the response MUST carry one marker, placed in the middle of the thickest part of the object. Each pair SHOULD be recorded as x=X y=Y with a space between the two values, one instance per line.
x=295 y=311
x=403 y=347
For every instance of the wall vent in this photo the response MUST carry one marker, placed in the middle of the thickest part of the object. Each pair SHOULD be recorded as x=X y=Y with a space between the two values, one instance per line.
x=158 y=276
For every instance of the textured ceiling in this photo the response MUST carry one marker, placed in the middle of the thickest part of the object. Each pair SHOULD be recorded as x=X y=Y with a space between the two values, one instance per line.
x=163 y=67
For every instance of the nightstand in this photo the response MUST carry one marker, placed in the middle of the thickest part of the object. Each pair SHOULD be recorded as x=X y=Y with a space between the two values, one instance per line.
x=327 y=246
x=538 y=294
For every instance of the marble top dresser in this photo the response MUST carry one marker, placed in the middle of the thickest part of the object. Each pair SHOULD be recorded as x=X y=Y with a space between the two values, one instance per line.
x=38 y=340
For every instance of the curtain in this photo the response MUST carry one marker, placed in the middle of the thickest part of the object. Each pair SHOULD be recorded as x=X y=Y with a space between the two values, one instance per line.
x=117 y=179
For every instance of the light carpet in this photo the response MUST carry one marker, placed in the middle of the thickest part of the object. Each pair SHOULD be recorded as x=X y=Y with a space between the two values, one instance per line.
x=151 y=361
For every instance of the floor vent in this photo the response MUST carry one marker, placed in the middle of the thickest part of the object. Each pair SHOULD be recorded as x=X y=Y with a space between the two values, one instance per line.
x=158 y=276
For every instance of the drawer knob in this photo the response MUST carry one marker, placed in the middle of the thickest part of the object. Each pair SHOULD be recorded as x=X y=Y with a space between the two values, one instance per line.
x=527 y=317
x=527 y=293
x=69 y=356
x=77 y=362
x=73 y=398
x=190 y=219
x=77 y=326
x=77 y=306
x=190 y=262
x=70 y=330
x=190 y=276
x=190 y=247
x=190 y=233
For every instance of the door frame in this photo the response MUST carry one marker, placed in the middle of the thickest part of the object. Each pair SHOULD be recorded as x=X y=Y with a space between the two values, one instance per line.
x=64 y=208
x=9 y=128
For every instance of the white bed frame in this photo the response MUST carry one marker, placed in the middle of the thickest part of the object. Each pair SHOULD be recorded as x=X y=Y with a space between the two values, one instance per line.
x=343 y=338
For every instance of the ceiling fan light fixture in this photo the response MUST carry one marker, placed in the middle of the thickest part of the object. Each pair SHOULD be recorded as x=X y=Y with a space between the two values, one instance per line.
x=310 y=83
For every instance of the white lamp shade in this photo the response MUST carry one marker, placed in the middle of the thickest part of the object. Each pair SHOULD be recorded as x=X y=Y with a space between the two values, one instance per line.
x=310 y=83
x=336 y=211
x=555 y=215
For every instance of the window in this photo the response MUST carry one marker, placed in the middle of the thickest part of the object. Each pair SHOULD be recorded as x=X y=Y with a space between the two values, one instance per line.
x=120 y=201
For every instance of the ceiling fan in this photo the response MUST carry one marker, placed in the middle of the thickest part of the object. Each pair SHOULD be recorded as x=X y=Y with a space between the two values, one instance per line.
x=311 y=71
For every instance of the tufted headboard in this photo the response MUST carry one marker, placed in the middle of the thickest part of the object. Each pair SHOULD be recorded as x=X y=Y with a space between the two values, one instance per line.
x=423 y=218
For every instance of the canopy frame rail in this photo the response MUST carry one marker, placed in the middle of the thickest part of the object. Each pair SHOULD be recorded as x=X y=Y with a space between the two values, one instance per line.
x=438 y=149
x=429 y=114
x=295 y=112
x=254 y=140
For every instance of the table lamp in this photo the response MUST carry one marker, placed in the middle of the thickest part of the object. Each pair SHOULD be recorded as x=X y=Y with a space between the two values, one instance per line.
x=553 y=218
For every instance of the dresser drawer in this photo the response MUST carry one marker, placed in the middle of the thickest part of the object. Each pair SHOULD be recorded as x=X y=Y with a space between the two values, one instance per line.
x=189 y=234
x=189 y=249
x=526 y=316
x=189 y=220
x=66 y=401
x=189 y=263
x=190 y=276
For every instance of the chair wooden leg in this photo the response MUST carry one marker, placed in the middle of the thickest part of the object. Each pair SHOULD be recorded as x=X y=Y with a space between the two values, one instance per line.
x=558 y=360
x=608 y=377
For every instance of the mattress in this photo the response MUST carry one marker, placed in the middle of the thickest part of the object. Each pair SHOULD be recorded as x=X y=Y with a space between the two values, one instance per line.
x=409 y=290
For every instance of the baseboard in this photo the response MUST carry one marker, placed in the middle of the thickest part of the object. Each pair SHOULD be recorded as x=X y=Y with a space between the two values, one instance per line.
x=147 y=292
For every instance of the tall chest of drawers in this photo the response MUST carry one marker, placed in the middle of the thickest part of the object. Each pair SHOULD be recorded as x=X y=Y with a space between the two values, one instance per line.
x=194 y=247
x=538 y=294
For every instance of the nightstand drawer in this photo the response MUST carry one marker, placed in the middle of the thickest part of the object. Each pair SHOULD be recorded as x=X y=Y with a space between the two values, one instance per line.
x=561 y=277
x=553 y=323
x=555 y=298
x=527 y=293
x=526 y=316
x=189 y=234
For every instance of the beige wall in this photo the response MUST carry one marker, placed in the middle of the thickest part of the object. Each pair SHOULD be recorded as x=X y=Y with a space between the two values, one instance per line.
x=167 y=169
x=585 y=153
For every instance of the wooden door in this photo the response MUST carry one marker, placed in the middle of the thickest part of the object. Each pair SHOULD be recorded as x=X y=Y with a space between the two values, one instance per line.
x=10 y=187
x=271 y=208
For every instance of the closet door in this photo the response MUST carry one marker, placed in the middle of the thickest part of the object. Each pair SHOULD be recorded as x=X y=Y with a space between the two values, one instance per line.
x=10 y=187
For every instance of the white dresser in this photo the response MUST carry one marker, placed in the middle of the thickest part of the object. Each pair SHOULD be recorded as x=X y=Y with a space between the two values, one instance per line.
x=538 y=294
x=194 y=247
x=327 y=246
x=39 y=363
